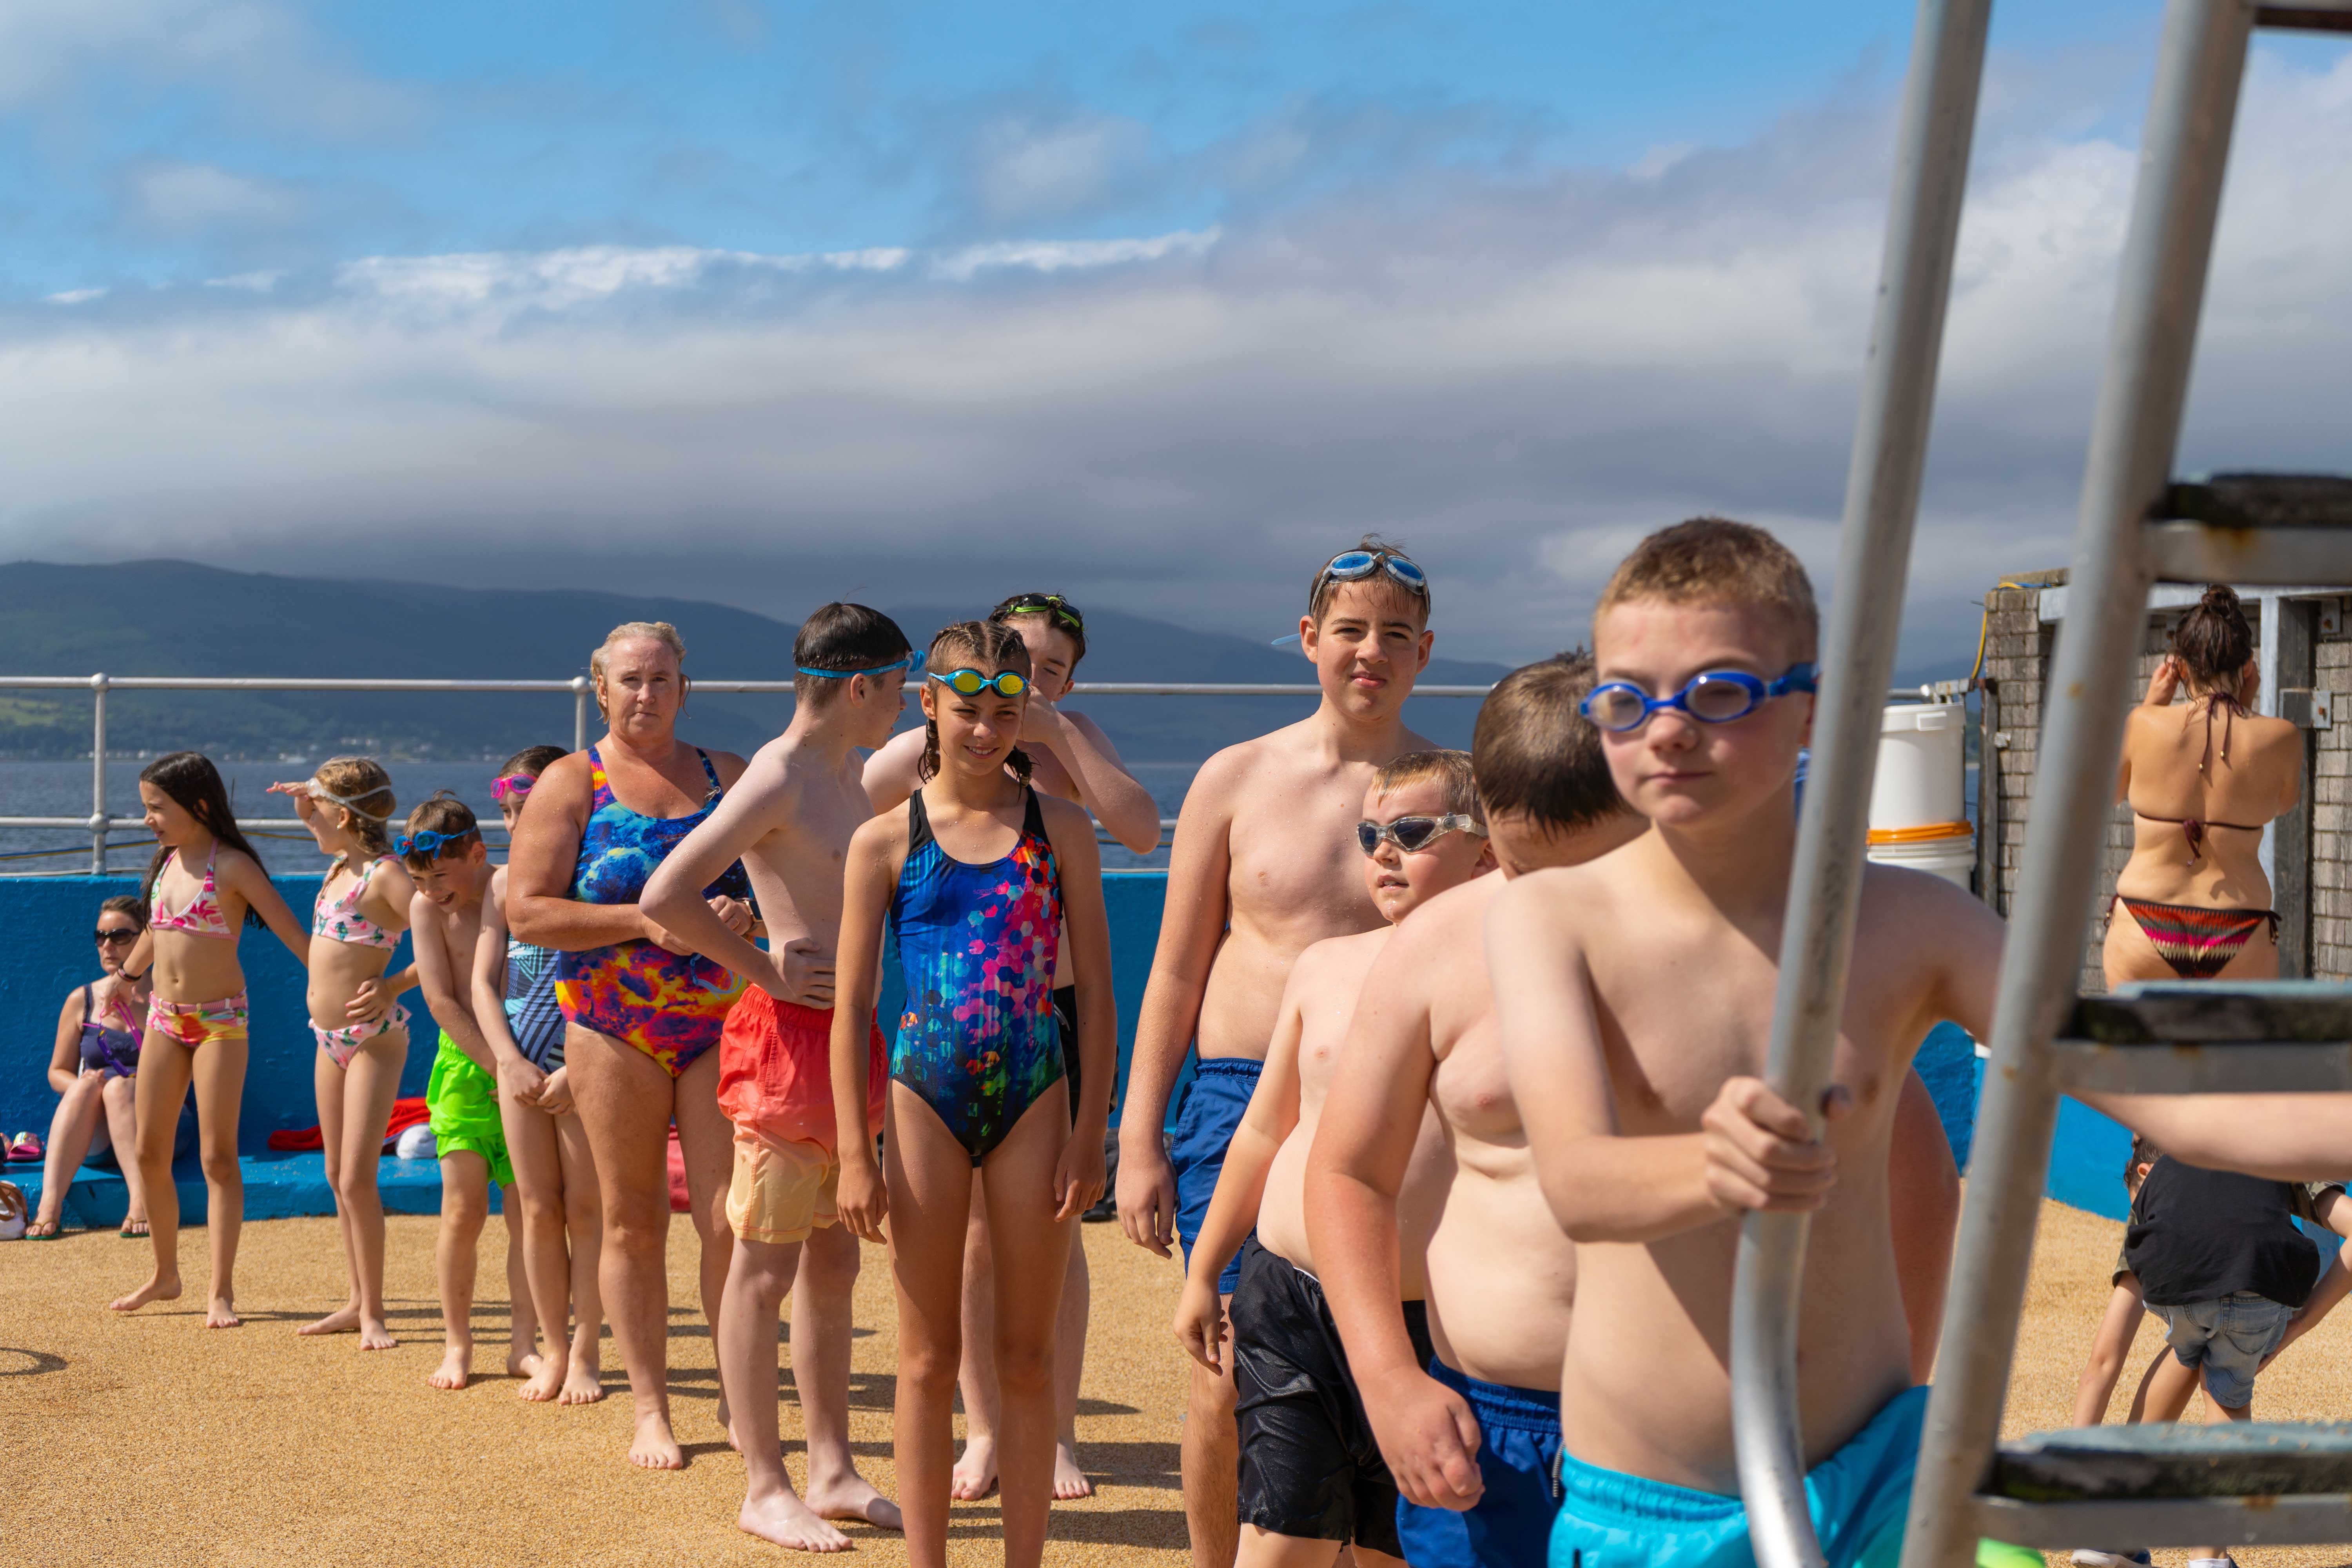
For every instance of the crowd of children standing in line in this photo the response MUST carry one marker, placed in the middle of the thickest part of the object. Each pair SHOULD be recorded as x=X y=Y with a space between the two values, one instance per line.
x=1478 y=1036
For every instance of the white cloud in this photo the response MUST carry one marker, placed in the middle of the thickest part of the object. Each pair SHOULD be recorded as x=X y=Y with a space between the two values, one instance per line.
x=1517 y=376
x=170 y=199
x=1025 y=166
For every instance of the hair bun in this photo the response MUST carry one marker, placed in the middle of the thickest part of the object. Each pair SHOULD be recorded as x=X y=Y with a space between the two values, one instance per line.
x=2220 y=597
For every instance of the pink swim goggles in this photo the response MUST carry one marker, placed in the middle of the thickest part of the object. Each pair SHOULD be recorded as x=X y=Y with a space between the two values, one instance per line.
x=512 y=786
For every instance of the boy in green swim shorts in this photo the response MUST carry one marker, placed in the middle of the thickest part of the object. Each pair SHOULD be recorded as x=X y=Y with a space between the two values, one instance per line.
x=442 y=848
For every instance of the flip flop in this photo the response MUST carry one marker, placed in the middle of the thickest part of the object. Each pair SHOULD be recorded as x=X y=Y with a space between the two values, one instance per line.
x=24 y=1149
x=130 y=1235
x=34 y=1232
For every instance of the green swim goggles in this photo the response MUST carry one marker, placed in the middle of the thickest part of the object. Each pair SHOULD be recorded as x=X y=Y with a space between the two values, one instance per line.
x=971 y=683
x=1057 y=609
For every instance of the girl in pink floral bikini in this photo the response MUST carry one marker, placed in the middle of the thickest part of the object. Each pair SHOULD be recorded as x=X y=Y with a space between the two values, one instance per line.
x=361 y=1029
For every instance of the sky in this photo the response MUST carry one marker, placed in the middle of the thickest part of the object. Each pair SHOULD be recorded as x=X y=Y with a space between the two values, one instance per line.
x=1159 y=306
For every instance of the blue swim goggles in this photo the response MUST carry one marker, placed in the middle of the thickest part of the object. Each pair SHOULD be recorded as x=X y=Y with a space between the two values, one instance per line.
x=1353 y=565
x=971 y=683
x=912 y=664
x=429 y=842
x=1712 y=696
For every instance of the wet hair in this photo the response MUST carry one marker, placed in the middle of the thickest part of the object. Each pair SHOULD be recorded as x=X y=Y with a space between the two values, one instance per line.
x=192 y=781
x=2213 y=641
x=1535 y=755
x=531 y=760
x=849 y=637
x=443 y=812
x=1073 y=628
x=363 y=782
x=989 y=647
x=1325 y=588
x=1449 y=769
x=127 y=904
x=1715 y=560
x=661 y=632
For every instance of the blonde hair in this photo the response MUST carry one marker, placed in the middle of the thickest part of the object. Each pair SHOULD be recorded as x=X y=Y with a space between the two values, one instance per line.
x=1715 y=560
x=661 y=632
x=363 y=789
x=1448 y=769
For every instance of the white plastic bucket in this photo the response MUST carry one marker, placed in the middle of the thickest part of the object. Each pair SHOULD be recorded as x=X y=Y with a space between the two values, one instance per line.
x=1920 y=759
x=1951 y=857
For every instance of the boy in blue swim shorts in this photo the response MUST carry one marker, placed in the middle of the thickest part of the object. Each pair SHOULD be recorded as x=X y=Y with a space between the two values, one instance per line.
x=1264 y=865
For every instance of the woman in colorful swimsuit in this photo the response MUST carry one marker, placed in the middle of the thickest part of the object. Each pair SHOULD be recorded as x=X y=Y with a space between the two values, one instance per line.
x=2203 y=778
x=205 y=884
x=642 y=1014
x=360 y=1029
x=93 y=1069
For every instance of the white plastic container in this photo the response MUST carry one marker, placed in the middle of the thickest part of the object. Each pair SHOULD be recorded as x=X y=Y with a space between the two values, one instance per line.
x=1954 y=857
x=1918 y=802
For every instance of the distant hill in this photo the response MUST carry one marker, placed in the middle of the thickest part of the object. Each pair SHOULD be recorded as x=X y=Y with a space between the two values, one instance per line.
x=175 y=618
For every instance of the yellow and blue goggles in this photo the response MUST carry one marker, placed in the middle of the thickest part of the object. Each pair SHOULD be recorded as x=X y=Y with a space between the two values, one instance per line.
x=971 y=683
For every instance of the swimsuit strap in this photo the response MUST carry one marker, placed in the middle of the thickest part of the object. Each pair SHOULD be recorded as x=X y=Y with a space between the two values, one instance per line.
x=717 y=789
x=602 y=795
x=1032 y=821
x=918 y=823
x=2231 y=707
x=86 y=992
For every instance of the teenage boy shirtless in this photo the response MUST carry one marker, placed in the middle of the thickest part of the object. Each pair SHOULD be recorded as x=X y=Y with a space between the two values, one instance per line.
x=1264 y=865
x=1071 y=757
x=789 y=819
x=1479 y=1427
x=1312 y=1479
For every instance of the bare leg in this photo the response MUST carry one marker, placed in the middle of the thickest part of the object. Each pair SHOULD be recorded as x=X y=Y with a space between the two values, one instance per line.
x=928 y=1177
x=706 y=1140
x=2170 y=1388
x=759 y=1275
x=523 y=1359
x=535 y=1204
x=821 y=1324
x=219 y=1072
x=465 y=1206
x=1069 y=1370
x=370 y=1084
x=165 y=1069
x=974 y=1476
x=624 y=1097
x=120 y=1099
x=327 y=1083
x=2219 y=1413
x=1031 y=1250
x=584 y=1220
x=70 y=1131
x=1264 y=1549
x=1211 y=1462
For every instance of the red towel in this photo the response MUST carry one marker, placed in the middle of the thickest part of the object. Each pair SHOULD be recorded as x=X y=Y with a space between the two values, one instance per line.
x=405 y=1114
x=678 y=1203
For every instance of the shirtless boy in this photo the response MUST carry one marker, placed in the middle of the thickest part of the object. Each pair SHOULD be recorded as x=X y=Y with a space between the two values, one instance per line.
x=1479 y=1428
x=1262 y=867
x=789 y=819
x=1312 y=1479
x=1070 y=757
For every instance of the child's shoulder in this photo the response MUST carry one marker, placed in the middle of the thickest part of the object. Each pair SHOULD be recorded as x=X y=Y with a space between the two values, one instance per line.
x=1338 y=960
x=1905 y=905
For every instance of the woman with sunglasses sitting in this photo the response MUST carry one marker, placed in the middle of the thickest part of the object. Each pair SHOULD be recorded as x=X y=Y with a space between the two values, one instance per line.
x=96 y=1058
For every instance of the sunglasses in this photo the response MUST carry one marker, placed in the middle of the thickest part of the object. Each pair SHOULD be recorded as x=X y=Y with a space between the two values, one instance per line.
x=1353 y=565
x=1712 y=696
x=1412 y=834
x=429 y=842
x=1061 y=610
x=913 y=663
x=512 y=786
x=971 y=683
x=110 y=937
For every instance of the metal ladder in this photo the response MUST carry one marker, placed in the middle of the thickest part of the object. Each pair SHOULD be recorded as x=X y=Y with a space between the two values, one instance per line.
x=2195 y=1485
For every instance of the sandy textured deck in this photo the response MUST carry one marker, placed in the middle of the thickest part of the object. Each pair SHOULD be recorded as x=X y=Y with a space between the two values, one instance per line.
x=148 y=1440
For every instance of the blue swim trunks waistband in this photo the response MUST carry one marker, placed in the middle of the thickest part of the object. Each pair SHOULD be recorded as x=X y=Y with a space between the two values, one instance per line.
x=1500 y=1404
x=1228 y=1067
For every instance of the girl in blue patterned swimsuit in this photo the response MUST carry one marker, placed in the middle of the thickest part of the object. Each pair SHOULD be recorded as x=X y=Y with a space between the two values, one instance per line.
x=977 y=877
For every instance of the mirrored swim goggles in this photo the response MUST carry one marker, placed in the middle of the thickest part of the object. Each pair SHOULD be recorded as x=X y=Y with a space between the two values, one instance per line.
x=511 y=787
x=1353 y=565
x=971 y=683
x=912 y=662
x=1711 y=697
x=429 y=842
x=1412 y=834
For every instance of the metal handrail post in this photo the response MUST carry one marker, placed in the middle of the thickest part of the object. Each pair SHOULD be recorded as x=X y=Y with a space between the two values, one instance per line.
x=1890 y=448
x=2161 y=287
x=579 y=712
x=98 y=684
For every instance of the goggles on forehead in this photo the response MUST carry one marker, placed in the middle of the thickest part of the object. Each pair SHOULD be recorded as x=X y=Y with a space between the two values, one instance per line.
x=1412 y=834
x=1711 y=697
x=429 y=842
x=912 y=663
x=971 y=683
x=1354 y=565
x=1052 y=606
x=511 y=787
x=352 y=803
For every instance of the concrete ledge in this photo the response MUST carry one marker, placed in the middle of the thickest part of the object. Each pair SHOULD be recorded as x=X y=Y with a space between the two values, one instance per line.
x=277 y=1186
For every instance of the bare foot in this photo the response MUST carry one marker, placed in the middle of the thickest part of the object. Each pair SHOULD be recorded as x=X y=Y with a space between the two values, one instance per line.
x=655 y=1447
x=341 y=1320
x=582 y=1384
x=162 y=1288
x=854 y=1498
x=375 y=1335
x=785 y=1520
x=456 y=1362
x=524 y=1363
x=220 y=1312
x=974 y=1476
x=1069 y=1481
x=545 y=1383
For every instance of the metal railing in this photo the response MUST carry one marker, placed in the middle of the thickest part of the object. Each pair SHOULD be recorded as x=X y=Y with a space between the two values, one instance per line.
x=100 y=825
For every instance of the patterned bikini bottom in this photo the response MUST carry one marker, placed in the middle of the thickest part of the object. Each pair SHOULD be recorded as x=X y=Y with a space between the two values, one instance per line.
x=195 y=1024
x=2197 y=941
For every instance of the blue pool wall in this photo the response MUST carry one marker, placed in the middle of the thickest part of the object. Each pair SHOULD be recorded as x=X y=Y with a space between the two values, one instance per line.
x=46 y=952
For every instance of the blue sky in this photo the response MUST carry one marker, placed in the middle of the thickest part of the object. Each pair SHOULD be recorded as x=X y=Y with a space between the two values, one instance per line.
x=773 y=304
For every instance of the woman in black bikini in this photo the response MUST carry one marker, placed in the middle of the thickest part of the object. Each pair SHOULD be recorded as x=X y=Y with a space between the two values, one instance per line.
x=2203 y=778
